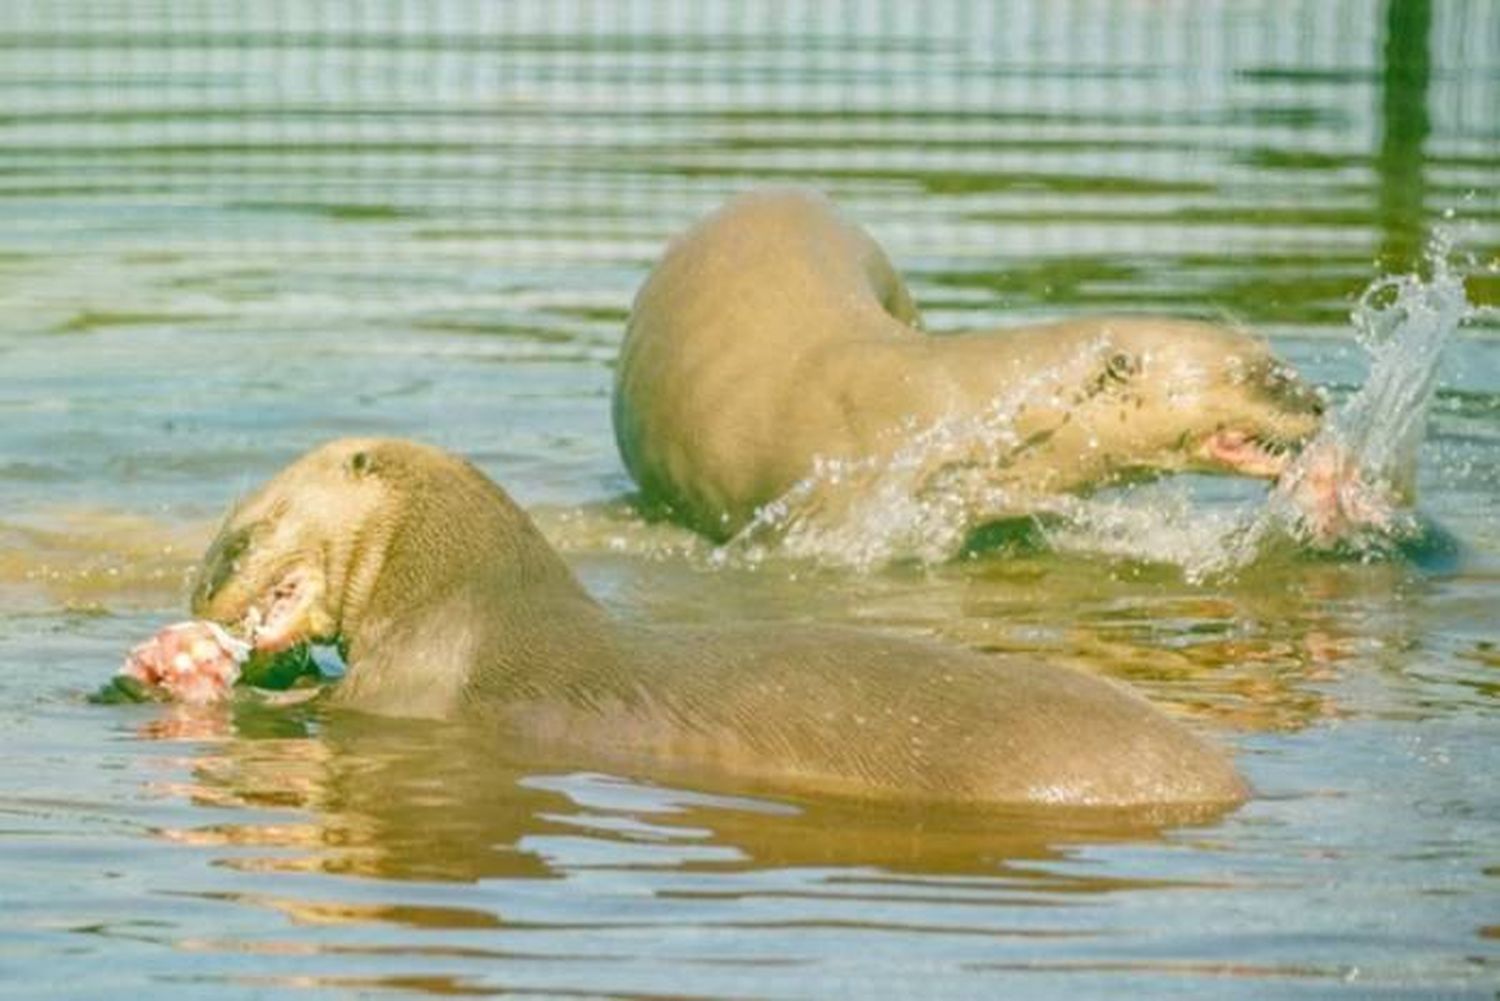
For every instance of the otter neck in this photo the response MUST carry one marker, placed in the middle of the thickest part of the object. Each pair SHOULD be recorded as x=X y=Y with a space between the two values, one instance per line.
x=456 y=593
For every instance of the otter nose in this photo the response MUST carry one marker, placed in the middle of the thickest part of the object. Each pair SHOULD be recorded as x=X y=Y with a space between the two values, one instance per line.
x=1286 y=387
x=1310 y=398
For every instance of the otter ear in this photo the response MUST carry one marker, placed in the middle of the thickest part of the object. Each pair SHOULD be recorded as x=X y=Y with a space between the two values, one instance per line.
x=361 y=463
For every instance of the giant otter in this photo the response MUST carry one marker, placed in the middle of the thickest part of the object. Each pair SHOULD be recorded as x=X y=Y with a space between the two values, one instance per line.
x=775 y=334
x=448 y=602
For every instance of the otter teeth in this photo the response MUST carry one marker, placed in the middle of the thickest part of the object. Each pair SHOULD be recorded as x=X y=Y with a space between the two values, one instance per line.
x=273 y=624
x=1270 y=447
x=255 y=625
x=251 y=624
x=236 y=648
x=1251 y=453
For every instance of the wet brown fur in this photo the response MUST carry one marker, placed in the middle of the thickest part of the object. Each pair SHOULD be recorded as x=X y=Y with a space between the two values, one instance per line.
x=775 y=332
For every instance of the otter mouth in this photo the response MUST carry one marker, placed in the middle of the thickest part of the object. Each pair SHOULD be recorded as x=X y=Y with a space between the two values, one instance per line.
x=1248 y=453
x=288 y=615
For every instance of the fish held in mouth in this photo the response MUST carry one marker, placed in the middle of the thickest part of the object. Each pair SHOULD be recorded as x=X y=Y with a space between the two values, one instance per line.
x=1333 y=499
x=194 y=662
x=199 y=662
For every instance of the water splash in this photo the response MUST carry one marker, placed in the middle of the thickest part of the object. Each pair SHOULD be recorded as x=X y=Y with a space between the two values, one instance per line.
x=919 y=503
x=1351 y=490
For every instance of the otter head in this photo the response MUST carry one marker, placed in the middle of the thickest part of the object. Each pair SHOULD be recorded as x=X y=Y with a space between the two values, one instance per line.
x=1210 y=401
x=289 y=561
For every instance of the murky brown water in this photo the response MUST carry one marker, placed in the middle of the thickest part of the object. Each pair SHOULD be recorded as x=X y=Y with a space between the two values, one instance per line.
x=230 y=231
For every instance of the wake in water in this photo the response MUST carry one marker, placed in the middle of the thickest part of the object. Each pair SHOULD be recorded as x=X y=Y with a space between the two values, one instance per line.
x=1351 y=490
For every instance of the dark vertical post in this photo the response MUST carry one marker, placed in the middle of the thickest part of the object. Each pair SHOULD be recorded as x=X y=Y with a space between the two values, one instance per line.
x=1404 y=77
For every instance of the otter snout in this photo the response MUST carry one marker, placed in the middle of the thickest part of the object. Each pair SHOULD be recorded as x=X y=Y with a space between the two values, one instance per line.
x=219 y=566
x=1287 y=390
x=1286 y=410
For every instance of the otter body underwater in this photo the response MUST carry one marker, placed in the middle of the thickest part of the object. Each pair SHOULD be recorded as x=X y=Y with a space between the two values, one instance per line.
x=449 y=603
x=775 y=335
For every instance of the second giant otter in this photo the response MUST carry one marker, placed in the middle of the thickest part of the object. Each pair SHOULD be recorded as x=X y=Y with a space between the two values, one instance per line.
x=775 y=335
x=448 y=602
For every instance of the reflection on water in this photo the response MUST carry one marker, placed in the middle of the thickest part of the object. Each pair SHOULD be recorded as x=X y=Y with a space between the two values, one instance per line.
x=1405 y=76
x=228 y=231
x=443 y=802
x=287 y=850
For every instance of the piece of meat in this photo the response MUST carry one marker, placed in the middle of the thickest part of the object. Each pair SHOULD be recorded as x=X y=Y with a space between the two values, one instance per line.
x=1333 y=498
x=194 y=662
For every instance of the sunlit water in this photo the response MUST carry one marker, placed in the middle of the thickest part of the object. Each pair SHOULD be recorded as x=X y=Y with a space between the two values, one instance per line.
x=229 y=231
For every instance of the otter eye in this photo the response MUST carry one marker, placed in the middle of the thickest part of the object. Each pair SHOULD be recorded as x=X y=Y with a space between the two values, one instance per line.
x=359 y=463
x=1121 y=366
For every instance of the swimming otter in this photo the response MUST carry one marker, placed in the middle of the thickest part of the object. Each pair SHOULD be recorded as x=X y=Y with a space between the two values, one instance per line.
x=447 y=601
x=775 y=334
